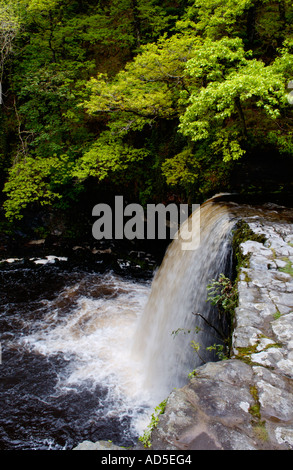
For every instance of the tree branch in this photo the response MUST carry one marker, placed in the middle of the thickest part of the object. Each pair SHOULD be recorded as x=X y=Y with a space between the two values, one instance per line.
x=220 y=333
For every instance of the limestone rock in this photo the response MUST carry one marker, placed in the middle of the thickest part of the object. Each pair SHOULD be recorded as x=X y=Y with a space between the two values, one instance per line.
x=99 y=445
x=245 y=402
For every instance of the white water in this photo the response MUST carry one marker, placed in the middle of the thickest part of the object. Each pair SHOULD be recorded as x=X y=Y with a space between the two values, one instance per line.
x=178 y=291
x=96 y=339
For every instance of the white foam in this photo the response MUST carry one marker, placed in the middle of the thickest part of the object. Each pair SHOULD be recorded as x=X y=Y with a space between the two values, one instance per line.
x=97 y=336
x=48 y=259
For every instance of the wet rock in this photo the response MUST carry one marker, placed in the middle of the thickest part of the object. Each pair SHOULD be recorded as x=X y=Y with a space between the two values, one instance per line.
x=99 y=445
x=208 y=413
x=246 y=402
x=37 y=242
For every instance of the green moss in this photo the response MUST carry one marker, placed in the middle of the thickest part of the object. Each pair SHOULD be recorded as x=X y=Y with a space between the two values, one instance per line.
x=277 y=315
x=260 y=431
x=254 y=410
x=241 y=234
x=247 y=278
x=244 y=354
x=258 y=424
x=288 y=269
x=273 y=345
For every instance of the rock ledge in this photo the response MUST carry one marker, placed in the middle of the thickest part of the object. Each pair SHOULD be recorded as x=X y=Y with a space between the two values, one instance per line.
x=246 y=402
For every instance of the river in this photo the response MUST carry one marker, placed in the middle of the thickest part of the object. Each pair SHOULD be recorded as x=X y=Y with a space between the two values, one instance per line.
x=66 y=370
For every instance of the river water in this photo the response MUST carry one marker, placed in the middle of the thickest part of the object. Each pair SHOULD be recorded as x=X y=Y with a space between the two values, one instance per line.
x=87 y=355
x=66 y=370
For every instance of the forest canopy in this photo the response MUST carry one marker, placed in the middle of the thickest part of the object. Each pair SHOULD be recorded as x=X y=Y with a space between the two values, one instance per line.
x=162 y=100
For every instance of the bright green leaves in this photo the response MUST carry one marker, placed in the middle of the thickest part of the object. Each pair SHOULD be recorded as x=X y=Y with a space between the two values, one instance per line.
x=217 y=18
x=182 y=168
x=35 y=180
x=149 y=86
x=212 y=60
x=40 y=5
x=109 y=157
x=221 y=94
x=242 y=99
x=129 y=93
x=146 y=92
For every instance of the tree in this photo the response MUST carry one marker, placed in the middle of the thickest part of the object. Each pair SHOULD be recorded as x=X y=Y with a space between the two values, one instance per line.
x=35 y=180
x=245 y=100
x=124 y=95
x=262 y=25
x=221 y=94
x=138 y=100
x=9 y=27
x=59 y=45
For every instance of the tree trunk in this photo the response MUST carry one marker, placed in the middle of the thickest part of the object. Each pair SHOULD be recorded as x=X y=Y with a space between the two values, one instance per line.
x=251 y=24
x=136 y=22
x=241 y=116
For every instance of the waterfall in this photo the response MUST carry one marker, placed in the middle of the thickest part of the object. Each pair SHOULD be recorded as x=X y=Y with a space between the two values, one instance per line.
x=95 y=351
x=179 y=291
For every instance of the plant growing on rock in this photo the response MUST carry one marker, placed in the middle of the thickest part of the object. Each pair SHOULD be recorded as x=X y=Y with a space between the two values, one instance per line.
x=222 y=294
x=145 y=439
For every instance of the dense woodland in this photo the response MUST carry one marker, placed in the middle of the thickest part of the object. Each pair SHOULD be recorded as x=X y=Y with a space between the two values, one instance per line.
x=161 y=101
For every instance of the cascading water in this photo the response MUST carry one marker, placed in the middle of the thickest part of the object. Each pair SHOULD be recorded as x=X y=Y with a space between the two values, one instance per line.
x=88 y=355
x=179 y=291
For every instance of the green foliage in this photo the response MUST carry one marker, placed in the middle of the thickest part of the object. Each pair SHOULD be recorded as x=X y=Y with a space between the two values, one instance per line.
x=262 y=25
x=146 y=437
x=231 y=107
x=58 y=46
x=221 y=293
x=9 y=27
x=288 y=268
x=182 y=168
x=220 y=351
x=109 y=157
x=159 y=96
x=35 y=180
x=148 y=86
